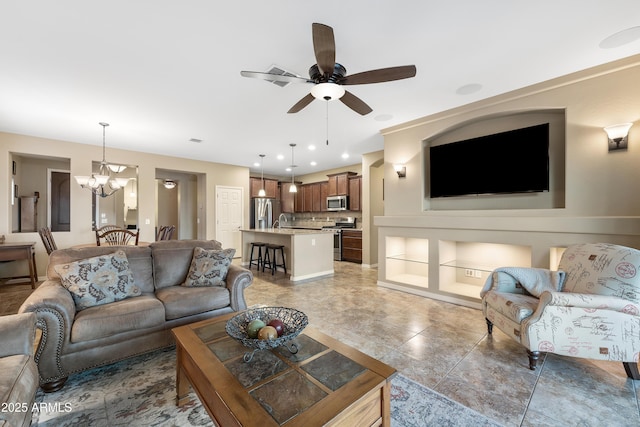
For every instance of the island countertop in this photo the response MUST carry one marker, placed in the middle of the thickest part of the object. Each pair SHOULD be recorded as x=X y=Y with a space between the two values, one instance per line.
x=285 y=230
x=308 y=253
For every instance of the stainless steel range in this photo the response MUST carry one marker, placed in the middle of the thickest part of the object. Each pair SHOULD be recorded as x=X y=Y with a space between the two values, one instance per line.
x=341 y=224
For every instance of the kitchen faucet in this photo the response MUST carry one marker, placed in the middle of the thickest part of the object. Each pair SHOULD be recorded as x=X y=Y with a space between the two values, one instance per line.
x=279 y=220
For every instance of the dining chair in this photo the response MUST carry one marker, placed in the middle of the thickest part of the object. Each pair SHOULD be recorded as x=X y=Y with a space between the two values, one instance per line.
x=119 y=237
x=47 y=239
x=100 y=231
x=165 y=232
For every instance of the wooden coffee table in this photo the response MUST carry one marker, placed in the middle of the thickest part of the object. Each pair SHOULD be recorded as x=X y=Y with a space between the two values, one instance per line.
x=325 y=383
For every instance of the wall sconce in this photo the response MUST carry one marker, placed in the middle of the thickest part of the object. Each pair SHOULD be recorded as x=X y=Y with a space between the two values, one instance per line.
x=401 y=170
x=618 y=136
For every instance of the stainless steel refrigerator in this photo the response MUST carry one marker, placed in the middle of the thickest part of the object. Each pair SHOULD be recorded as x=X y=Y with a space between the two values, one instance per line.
x=264 y=212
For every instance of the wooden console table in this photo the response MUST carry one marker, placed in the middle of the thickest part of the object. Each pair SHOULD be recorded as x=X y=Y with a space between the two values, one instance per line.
x=19 y=251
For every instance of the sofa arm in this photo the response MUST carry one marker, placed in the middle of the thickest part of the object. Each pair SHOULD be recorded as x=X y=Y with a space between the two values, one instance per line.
x=17 y=333
x=238 y=278
x=55 y=310
x=590 y=302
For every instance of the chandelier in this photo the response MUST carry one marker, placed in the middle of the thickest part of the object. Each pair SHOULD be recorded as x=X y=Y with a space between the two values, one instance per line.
x=103 y=184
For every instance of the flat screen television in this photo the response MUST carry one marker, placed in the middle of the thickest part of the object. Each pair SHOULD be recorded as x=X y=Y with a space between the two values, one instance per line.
x=516 y=161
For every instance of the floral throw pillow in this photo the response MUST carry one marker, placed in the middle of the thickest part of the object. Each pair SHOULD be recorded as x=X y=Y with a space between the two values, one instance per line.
x=209 y=267
x=98 y=280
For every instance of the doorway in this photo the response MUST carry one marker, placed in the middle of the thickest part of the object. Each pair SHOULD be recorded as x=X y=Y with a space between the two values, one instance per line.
x=230 y=217
x=59 y=211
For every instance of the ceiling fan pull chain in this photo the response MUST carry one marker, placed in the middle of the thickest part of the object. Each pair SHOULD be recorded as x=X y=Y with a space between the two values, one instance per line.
x=327 y=122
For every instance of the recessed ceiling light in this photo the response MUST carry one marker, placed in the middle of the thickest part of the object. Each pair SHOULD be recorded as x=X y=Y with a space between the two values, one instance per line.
x=256 y=164
x=280 y=157
x=621 y=38
x=468 y=89
x=313 y=163
x=345 y=155
x=288 y=169
x=195 y=140
x=383 y=117
x=312 y=147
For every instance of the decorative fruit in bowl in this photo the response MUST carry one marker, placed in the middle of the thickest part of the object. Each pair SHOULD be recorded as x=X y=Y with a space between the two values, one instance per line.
x=253 y=327
x=267 y=333
x=278 y=325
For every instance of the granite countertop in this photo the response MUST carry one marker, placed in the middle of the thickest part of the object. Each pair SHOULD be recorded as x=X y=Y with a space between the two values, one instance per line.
x=284 y=230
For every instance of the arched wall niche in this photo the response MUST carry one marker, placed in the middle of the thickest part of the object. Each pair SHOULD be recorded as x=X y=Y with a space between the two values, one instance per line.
x=501 y=122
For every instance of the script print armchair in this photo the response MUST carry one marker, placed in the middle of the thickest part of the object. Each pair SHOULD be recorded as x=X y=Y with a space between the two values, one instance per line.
x=589 y=308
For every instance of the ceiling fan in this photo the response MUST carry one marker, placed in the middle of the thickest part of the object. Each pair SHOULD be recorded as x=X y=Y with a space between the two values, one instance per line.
x=328 y=76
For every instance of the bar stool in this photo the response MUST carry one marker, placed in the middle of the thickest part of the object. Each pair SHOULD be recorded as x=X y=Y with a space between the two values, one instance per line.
x=258 y=262
x=271 y=258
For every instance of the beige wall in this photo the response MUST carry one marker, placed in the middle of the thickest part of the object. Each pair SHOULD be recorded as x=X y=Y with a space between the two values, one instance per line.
x=81 y=156
x=598 y=183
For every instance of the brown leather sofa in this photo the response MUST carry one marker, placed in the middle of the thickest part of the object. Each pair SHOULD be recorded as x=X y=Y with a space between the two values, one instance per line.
x=18 y=371
x=74 y=341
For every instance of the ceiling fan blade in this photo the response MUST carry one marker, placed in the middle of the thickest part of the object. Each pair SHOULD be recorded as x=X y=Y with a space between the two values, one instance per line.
x=324 y=46
x=275 y=77
x=381 y=75
x=355 y=103
x=301 y=104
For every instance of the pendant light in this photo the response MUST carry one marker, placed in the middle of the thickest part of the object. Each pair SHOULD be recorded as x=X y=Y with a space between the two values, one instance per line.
x=293 y=188
x=262 y=193
x=103 y=184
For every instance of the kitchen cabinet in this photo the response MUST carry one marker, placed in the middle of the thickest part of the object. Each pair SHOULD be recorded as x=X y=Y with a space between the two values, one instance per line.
x=339 y=183
x=270 y=187
x=311 y=197
x=324 y=192
x=287 y=199
x=355 y=192
x=352 y=246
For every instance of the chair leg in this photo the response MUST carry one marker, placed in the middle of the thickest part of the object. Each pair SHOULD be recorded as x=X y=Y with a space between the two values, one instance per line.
x=489 y=326
x=631 y=368
x=533 y=359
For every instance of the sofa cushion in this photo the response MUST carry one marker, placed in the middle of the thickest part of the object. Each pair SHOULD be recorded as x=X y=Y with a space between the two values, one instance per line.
x=18 y=385
x=139 y=262
x=172 y=259
x=122 y=316
x=209 y=267
x=180 y=301
x=98 y=280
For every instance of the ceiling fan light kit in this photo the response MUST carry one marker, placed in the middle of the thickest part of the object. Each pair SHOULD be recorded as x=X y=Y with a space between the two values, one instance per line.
x=328 y=76
x=327 y=91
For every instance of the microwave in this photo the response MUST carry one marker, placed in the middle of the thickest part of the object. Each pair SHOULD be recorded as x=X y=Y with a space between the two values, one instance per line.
x=337 y=203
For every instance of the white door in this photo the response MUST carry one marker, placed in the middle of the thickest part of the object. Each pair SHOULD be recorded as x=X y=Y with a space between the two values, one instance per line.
x=230 y=217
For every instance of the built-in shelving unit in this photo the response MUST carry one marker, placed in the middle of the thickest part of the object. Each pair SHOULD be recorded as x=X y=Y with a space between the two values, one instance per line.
x=407 y=261
x=450 y=257
x=465 y=266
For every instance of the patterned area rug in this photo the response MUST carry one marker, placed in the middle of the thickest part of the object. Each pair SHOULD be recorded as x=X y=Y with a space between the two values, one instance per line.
x=141 y=392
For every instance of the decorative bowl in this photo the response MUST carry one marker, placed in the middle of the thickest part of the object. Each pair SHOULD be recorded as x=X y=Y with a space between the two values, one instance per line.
x=294 y=322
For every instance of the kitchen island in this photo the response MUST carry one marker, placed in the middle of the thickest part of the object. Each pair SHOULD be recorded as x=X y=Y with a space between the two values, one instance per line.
x=308 y=253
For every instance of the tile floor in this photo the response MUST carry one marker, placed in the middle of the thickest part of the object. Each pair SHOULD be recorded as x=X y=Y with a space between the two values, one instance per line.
x=446 y=348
